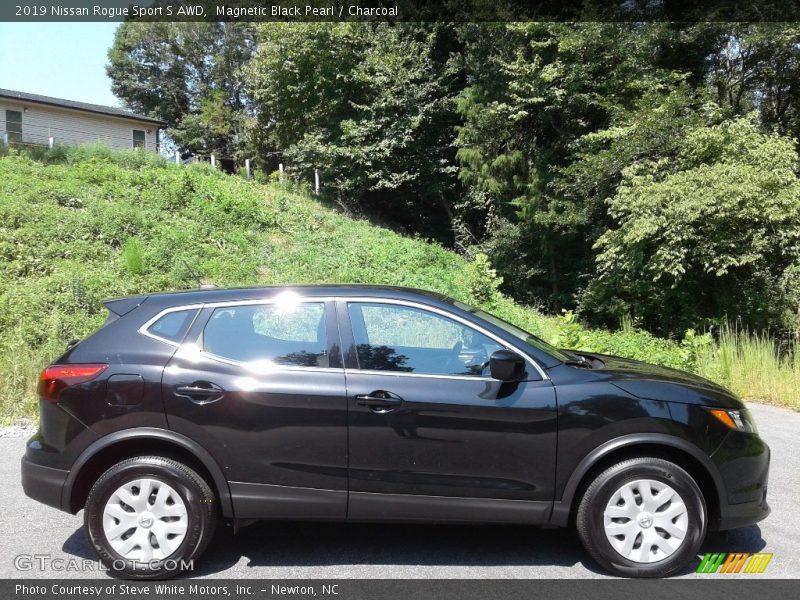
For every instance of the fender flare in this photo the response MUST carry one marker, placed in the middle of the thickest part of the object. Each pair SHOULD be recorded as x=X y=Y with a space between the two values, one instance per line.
x=152 y=433
x=561 y=508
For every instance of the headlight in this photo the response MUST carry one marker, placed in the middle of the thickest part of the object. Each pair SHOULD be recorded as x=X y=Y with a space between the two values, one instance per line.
x=740 y=420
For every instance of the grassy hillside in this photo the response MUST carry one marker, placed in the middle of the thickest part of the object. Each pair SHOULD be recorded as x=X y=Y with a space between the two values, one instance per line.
x=81 y=225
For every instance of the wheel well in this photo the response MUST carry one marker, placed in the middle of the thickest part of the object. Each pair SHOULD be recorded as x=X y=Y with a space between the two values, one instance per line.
x=110 y=455
x=683 y=459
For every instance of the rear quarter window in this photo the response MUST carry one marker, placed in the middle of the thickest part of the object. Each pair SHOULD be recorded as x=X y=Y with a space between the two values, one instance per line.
x=172 y=326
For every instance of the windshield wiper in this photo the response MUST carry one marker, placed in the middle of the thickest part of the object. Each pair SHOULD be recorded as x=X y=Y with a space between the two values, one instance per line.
x=583 y=364
x=578 y=361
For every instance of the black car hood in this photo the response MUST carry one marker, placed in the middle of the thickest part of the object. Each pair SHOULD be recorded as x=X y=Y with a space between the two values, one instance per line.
x=653 y=382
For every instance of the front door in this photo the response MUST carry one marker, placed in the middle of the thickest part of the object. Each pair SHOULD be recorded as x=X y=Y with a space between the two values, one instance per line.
x=261 y=386
x=432 y=435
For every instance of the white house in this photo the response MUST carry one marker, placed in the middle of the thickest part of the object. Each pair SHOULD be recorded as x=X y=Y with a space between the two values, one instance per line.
x=34 y=119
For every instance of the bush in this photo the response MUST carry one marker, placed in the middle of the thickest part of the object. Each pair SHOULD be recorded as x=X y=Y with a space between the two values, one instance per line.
x=482 y=281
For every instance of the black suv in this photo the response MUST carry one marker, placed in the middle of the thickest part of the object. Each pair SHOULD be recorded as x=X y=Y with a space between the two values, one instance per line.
x=369 y=403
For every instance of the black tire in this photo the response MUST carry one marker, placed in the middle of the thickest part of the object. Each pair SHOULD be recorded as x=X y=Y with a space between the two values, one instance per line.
x=196 y=494
x=590 y=516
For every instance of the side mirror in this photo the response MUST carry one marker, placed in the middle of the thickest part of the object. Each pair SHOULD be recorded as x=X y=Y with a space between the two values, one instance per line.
x=506 y=365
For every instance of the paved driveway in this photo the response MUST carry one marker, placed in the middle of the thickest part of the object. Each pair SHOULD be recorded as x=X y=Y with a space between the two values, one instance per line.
x=321 y=550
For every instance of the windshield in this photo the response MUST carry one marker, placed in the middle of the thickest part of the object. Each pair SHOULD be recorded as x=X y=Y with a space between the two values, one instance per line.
x=518 y=333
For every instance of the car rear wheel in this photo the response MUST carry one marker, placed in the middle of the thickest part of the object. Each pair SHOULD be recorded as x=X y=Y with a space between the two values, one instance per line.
x=643 y=517
x=149 y=517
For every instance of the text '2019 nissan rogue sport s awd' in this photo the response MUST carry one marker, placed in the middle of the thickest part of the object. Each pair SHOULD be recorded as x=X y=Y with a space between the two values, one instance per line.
x=380 y=404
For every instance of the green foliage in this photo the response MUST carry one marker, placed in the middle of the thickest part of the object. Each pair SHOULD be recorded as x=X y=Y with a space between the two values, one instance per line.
x=630 y=342
x=85 y=224
x=511 y=139
x=570 y=334
x=703 y=234
x=132 y=257
x=536 y=88
x=369 y=105
x=482 y=281
x=753 y=365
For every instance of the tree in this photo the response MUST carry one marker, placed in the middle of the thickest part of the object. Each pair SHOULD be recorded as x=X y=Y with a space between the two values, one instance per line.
x=536 y=88
x=190 y=75
x=370 y=105
x=757 y=67
x=702 y=234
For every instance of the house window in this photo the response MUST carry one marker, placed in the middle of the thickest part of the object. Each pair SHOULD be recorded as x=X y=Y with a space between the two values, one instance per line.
x=14 y=126
x=138 y=138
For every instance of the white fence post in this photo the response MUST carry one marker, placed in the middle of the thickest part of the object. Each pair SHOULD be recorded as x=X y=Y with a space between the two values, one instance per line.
x=177 y=157
x=247 y=166
x=316 y=181
x=5 y=138
x=280 y=169
x=213 y=162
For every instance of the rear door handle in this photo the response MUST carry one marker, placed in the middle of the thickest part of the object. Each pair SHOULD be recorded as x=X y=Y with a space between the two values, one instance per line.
x=201 y=392
x=379 y=400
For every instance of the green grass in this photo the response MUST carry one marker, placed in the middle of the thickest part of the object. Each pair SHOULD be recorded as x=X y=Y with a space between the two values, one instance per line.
x=79 y=225
x=754 y=366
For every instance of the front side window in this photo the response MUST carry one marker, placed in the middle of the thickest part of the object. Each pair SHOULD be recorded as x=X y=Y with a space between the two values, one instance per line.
x=269 y=334
x=391 y=337
x=518 y=333
x=138 y=138
x=14 y=126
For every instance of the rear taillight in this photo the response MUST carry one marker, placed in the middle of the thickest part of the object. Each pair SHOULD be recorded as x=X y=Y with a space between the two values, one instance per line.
x=56 y=378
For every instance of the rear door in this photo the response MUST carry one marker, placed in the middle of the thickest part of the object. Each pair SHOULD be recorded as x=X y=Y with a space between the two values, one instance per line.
x=261 y=386
x=432 y=435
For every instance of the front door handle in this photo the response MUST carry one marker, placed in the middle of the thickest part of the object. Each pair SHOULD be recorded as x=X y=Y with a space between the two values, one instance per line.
x=201 y=392
x=379 y=400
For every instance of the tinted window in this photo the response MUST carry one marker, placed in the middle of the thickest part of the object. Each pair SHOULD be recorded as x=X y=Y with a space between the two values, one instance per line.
x=173 y=325
x=392 y=337
x=518 y=333
x=138 y=138
x=269 y=334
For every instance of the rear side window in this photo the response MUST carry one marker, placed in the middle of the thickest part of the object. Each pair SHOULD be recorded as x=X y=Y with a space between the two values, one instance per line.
x=173 y=325
x=269 y=334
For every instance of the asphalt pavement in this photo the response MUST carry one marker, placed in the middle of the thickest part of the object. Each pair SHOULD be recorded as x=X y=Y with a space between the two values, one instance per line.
x=37 y=541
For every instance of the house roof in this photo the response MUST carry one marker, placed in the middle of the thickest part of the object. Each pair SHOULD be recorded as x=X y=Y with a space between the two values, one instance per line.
x=82 y=106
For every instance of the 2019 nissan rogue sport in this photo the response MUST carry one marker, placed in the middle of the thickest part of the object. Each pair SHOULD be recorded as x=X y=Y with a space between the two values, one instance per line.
x=370 y=403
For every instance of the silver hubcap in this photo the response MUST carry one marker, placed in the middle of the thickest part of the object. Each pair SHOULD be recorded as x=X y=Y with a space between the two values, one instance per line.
x=145 y=520
x=646 y=521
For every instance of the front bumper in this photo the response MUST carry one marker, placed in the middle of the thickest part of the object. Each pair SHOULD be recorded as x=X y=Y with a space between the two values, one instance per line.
x=743 y=464
x=45 y=484
x=742 y=515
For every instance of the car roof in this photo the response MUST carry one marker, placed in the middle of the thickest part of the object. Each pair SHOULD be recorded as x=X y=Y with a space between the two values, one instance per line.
x=210 y=295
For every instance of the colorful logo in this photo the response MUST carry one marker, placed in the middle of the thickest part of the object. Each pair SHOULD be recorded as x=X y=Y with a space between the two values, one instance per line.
x=735 y=562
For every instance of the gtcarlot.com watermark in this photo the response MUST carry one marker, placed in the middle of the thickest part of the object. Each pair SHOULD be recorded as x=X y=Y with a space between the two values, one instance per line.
x=45 y=562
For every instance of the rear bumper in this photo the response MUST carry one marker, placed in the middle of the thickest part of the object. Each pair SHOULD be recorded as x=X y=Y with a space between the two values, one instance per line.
x=44 y=484
x=50 y=455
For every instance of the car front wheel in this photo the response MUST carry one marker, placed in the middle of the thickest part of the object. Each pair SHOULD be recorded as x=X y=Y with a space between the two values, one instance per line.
x=643 y=517
x=149 y=517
